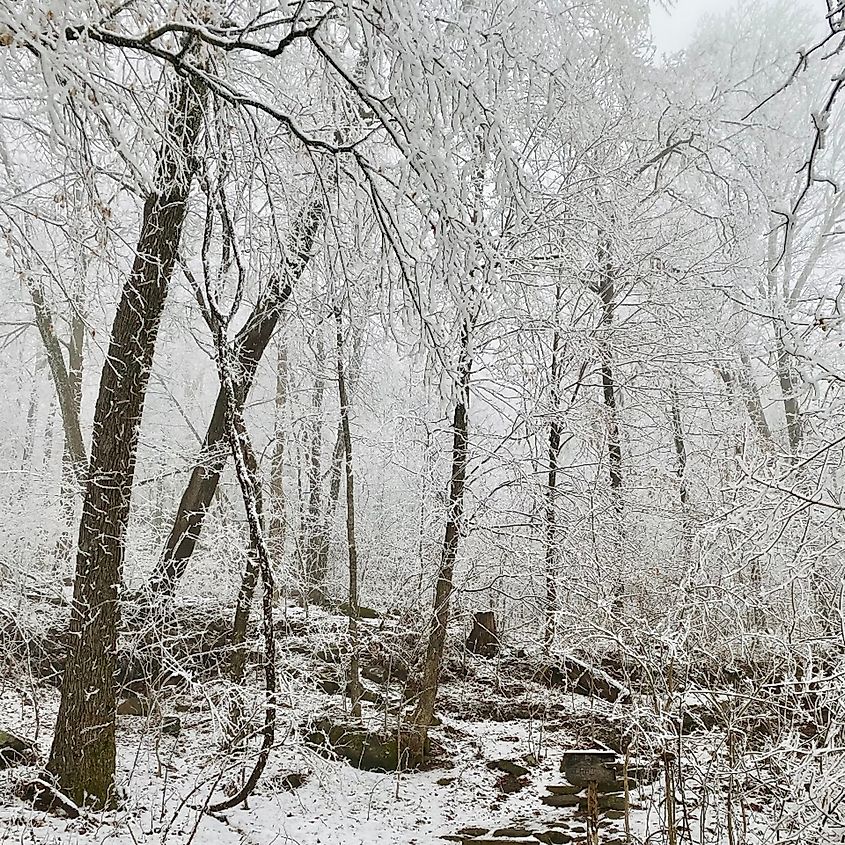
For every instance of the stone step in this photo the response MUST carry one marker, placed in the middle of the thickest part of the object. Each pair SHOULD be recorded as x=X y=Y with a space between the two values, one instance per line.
x=561 y=800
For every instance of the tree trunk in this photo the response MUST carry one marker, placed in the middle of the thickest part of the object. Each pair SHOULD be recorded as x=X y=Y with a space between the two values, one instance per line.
x=355 y=688
x=683 y=488
x=336 y=470
x=313 y=535
x=483 y=639
x=73 y=461
x=276 y=526
x=243 y=606
x=250 y=344
x=443 y=589
x=555 y=432
x=82 y=757
x=607 y=294
x=744 y=387
x=789 y=385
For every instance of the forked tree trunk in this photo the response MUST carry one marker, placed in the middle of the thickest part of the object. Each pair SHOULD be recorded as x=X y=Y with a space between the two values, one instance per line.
x=250 y=344
x=433 y=659
x=82 y=757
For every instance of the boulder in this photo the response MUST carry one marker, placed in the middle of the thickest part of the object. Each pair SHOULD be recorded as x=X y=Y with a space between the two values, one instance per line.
x=510 y=767
x=15 y=751
x=368 y=750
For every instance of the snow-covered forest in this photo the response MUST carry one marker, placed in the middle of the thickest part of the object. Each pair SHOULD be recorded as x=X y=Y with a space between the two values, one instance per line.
x=422 y=422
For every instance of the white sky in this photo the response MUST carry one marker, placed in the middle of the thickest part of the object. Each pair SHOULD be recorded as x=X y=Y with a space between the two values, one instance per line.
x=673 y=30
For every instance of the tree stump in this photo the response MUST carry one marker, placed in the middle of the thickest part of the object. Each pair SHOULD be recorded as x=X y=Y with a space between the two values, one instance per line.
x=483 y=639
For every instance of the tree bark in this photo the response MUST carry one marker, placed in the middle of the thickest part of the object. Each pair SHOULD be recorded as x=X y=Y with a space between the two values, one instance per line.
x=336 y=469
x=789 y=385
x=355 y=688
x=314 y=537
x=250 y=344
x=424 y=711
x=276 y=526
x=555 y=432
x=606 y=290
x=82 y=757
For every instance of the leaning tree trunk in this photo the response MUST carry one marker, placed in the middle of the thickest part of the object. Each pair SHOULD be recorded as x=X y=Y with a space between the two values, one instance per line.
x=82 y=757
x=250 y=344
x=424 y=712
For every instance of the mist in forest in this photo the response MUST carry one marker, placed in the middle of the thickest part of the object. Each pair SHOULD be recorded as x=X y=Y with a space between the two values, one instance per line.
x=422 y=422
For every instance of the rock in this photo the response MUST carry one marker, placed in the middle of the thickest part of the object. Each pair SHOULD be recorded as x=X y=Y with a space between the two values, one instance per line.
x=15 y=751
x=585 y=679
x=497 y=841
x=445 y=781
x=365 y=749
x=292 y=781
x=509 y=766
x=134 y=705
x=363 y=612
x=608 y=802
x=171 y=725
x=614 y=814
x=560 y=800
x=470 y=832
x=331 y=654
x=590 y=766
x=553 y=837
x=328 y=686
x=564 y=790
x=513 y=832
x=507 y=784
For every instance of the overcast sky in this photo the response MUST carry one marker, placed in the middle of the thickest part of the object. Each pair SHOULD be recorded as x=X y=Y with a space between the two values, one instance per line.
x=673 y=30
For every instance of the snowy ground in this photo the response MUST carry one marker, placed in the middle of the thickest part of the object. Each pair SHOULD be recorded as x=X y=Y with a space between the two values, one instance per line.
x=168 y=780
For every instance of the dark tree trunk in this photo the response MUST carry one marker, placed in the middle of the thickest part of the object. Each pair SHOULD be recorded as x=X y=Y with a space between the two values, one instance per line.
x=789 y=386
x=355 y=688
x=606 y=290
x=314 y=537
x=246 y=593
x=82 y=757
x=250 y=344
x=483 y=639
x=555 y=432
x=276 y=526
x=336 y=470
x=443 y=589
